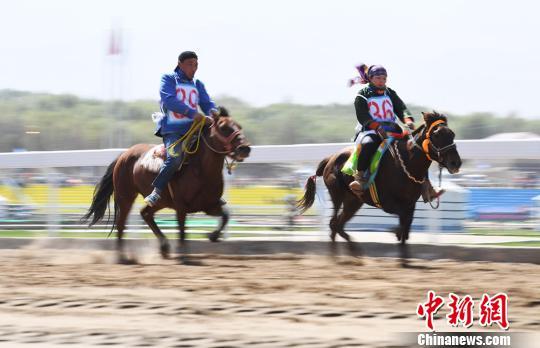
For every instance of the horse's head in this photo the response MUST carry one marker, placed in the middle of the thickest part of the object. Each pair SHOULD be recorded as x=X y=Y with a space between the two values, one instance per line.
x=228 y=133
x=437 y=141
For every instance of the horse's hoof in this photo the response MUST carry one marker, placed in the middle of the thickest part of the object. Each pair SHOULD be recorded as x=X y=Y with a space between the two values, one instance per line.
x=186 y=261
x=122 y=260
x=214 y=236
x=397 y=232
x=165 y=250
x=354 y=249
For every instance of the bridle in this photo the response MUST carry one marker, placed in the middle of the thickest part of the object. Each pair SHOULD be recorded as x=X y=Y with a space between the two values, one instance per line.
x=427 y=143
x=226 y=142
x=425 y=147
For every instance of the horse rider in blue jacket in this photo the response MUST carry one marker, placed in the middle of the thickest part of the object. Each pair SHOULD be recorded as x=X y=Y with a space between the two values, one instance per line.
x=181 y=95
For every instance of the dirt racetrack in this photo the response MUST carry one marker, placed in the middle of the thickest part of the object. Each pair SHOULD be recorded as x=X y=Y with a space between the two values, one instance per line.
x=73 y=298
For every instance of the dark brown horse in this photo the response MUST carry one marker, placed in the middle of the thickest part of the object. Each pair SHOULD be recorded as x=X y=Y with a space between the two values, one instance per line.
x=197 y=187
x=398 y=181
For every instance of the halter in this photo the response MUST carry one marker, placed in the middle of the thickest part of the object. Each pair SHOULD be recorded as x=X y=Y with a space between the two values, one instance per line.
x=225 y=141
x=427 y=142
x=425 y=149
x=227 y=144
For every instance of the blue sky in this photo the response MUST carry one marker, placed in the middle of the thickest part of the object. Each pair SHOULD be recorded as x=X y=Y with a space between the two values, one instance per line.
x=458 y=56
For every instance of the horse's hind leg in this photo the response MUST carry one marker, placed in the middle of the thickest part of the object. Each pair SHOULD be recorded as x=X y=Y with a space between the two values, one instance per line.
x=337 y=202
x=123 y=204
x=147 y=214
x=350 y=207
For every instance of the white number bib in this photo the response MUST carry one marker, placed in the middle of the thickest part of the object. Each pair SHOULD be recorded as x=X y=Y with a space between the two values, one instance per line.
x=187 y=94
x=381 y=108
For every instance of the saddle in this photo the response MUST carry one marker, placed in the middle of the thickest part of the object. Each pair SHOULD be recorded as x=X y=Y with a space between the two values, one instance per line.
x=350 y=166
x=153 y=159
x=160 y=152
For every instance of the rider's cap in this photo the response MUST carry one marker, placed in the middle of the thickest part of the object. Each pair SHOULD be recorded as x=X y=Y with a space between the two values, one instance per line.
x=366 y=73
x=376 y=70
x=187 y=55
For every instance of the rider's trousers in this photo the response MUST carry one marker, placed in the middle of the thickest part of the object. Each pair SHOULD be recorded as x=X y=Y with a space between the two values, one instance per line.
x=171 y=164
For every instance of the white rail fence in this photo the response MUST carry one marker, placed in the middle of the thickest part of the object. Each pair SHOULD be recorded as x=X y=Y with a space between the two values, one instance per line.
x=449 y=218
x=302 y=153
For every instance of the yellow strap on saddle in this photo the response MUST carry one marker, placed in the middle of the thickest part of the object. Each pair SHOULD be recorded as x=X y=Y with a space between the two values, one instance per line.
x=374 y=195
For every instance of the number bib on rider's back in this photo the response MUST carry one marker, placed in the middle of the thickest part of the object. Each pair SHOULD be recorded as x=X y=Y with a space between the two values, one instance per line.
x=187 y=94
x=381 y=108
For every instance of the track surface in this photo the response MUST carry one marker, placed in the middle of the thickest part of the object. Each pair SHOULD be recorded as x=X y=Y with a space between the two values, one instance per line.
x=73 y=298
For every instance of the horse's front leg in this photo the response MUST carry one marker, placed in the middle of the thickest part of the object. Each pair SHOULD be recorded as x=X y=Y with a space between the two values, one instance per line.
x=147 y=213
x=222 y=211
x=183 y=250
x=405 y=222
x=181 y=218
x=183 y=247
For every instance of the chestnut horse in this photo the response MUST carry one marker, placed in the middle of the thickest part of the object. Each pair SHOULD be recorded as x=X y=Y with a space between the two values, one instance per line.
x=197 y=187
x=398 y=180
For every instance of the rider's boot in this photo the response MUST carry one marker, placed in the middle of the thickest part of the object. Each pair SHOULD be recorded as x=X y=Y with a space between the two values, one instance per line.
x=153 y=197
x=357 y=186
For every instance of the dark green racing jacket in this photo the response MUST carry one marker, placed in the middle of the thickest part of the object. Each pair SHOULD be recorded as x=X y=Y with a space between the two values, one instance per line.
x=362 y=110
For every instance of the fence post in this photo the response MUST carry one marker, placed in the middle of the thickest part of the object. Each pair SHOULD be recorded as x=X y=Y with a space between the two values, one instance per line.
x=321 y=201
x=52 y=210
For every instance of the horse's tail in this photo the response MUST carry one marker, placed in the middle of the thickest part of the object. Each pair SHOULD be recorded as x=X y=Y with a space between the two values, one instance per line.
x=308 y=199
x=102 y=195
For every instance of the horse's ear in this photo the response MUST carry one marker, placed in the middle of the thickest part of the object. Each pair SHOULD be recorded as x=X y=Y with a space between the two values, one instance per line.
x=426 y=116
x=223 y=112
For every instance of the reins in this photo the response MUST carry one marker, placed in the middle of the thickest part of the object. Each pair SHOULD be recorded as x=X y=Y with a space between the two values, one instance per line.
x=196 y=127
x=196 y=131
x=425 y=147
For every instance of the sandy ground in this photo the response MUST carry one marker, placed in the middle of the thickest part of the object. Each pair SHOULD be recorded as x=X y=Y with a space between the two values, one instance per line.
x=70 y=298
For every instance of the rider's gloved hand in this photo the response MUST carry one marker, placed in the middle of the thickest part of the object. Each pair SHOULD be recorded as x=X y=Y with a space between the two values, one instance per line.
x=410 y=123
x=198 y=117
x=214 y=112
x=376 y=126
x=381 y=132
x=209 y=120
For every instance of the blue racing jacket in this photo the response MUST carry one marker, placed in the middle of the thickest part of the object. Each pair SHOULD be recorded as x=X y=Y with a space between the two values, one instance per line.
x=180 y=99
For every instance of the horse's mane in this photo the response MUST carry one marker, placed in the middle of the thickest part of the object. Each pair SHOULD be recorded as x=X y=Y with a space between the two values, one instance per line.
x=430 y=117
x=223 y=111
